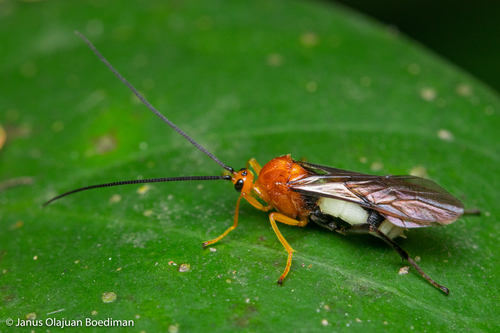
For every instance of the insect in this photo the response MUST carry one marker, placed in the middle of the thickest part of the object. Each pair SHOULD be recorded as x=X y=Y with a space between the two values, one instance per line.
x=339 y=200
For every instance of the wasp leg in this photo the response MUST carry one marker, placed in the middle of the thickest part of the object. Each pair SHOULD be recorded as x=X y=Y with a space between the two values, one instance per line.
x=355 y=229
x=371 y=227
x=254 y=164
x=406 y=257
x=326 y=221
x=253 y=202
x=235 y=224
x=273 y=217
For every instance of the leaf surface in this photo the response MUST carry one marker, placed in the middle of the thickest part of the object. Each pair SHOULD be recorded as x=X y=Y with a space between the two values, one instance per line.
x=245 y=80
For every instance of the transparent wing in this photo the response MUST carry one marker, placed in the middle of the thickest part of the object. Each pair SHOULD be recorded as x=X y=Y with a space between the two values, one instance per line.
x=406 y=201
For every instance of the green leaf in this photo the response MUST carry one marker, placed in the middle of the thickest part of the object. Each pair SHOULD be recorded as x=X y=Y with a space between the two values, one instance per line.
x=245 y=79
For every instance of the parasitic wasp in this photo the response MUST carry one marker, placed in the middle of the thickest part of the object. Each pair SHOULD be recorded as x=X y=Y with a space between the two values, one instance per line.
x=339 y=200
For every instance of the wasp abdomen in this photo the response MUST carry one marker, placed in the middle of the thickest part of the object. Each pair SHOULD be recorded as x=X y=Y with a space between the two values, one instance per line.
x=391 y=230
x=354 y=214
x=346 y=211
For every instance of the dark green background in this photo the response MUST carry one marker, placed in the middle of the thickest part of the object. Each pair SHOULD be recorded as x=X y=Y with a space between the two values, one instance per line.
x=464 y=32
x=239 y=77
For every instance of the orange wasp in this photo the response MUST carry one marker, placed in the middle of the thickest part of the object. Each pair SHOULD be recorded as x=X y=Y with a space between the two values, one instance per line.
x=339 y=200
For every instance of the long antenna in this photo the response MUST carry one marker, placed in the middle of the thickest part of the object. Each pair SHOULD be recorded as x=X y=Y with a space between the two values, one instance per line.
x=162 y=117
x=140 y=181
x=145 y=102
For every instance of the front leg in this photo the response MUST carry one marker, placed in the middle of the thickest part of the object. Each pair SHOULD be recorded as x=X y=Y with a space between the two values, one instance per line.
x=254 y=164
x=235 y=224
x=253 y=202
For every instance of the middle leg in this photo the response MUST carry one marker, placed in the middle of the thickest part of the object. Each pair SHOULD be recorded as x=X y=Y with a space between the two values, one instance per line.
x=273 y=217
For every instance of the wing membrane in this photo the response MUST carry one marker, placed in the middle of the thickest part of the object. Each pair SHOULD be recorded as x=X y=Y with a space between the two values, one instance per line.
x=406 y=201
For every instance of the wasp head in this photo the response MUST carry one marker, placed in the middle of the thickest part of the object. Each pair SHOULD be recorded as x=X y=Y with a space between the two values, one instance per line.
x=243 y=181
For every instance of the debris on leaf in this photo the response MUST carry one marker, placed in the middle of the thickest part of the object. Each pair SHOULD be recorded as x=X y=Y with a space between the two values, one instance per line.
x=184 y=267
x=108 y=297
x=404 y=270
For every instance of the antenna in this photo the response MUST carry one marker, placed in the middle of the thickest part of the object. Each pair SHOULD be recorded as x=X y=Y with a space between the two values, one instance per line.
x=139 y=181
x=152 y=108
x=162 y=117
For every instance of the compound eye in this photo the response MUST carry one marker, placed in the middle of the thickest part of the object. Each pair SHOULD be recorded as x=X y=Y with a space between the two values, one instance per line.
x=238 y=186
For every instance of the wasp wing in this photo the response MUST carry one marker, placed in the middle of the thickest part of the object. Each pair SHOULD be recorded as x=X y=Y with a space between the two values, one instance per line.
x=406 y=201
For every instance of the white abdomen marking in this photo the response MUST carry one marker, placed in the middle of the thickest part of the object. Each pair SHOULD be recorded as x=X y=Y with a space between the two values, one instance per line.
x=391 y=230
x=355 y=214
x=347 y=211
